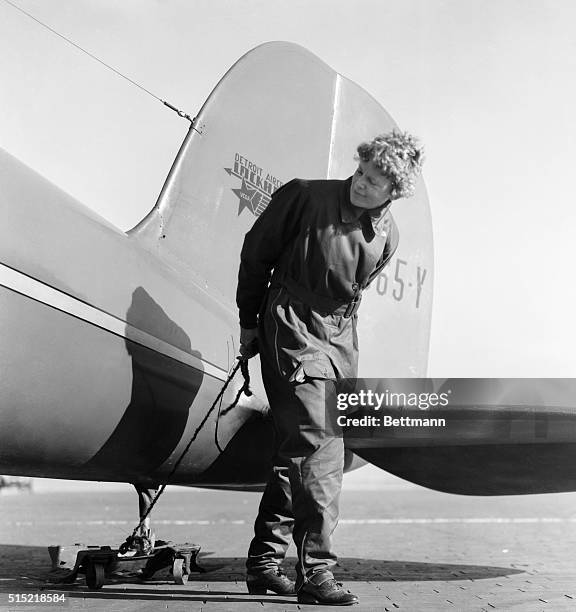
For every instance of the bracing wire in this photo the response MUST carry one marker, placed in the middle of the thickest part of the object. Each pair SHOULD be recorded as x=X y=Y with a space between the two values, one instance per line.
x=97 y=59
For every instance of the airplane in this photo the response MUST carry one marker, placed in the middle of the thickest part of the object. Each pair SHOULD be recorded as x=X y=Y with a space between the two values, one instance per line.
x=115 y=344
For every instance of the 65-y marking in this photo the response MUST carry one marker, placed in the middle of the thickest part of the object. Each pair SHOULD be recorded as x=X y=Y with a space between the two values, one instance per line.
x=400 y=284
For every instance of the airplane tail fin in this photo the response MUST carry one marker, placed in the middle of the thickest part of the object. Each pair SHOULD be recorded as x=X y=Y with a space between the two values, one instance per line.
x=279 y=113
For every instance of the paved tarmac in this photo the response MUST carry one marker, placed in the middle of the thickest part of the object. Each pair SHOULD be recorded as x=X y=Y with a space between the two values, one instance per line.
x=401 y=548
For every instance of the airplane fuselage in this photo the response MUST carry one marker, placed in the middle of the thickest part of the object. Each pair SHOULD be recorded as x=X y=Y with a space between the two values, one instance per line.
x=108 y=355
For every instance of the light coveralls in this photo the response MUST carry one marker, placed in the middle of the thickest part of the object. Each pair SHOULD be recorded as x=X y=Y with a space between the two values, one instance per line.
x=303 y=266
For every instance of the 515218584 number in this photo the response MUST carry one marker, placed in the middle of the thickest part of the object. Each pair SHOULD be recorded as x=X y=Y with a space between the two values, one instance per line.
x=36 y=598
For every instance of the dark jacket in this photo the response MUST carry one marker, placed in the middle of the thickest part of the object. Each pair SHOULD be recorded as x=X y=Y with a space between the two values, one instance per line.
x=319 y=246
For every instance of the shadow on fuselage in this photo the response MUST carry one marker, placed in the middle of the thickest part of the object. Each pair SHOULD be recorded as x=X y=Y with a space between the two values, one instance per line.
x=163 y=391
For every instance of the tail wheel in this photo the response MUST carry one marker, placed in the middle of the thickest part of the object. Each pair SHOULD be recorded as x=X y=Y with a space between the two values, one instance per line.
x=179 y=572
x=95 y=575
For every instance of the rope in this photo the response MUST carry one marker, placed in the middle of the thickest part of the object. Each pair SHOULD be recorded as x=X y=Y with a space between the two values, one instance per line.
x=244 y=389
x=242 y=365
x=97 y=59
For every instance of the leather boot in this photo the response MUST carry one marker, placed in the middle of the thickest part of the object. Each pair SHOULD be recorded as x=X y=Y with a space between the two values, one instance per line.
x=327 y=593
x=272 y=580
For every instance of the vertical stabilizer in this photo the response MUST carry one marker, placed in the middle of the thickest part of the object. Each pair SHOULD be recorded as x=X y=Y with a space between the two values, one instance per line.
x=281 y=113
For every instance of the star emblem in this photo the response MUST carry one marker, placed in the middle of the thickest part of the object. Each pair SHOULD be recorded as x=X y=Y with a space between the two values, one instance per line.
x=249 y=198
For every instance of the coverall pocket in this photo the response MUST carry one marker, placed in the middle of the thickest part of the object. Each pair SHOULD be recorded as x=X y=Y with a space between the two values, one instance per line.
x=315 y=365
x=312 y=382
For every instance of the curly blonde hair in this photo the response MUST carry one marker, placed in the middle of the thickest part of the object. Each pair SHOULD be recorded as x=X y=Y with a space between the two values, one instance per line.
x=399 y=156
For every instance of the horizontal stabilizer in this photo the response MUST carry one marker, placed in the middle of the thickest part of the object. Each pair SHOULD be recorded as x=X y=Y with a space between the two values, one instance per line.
x=492 y=436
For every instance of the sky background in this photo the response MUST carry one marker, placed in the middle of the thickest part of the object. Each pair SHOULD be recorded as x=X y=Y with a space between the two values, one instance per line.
x=489 y=87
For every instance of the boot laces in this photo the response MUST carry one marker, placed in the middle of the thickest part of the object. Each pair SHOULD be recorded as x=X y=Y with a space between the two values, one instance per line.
x=339 y=585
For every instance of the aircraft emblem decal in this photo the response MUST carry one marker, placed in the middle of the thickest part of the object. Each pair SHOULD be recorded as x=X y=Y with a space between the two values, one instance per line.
x=257 y=186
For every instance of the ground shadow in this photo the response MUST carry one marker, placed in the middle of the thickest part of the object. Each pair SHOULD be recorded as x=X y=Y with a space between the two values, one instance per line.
x=27 y=568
